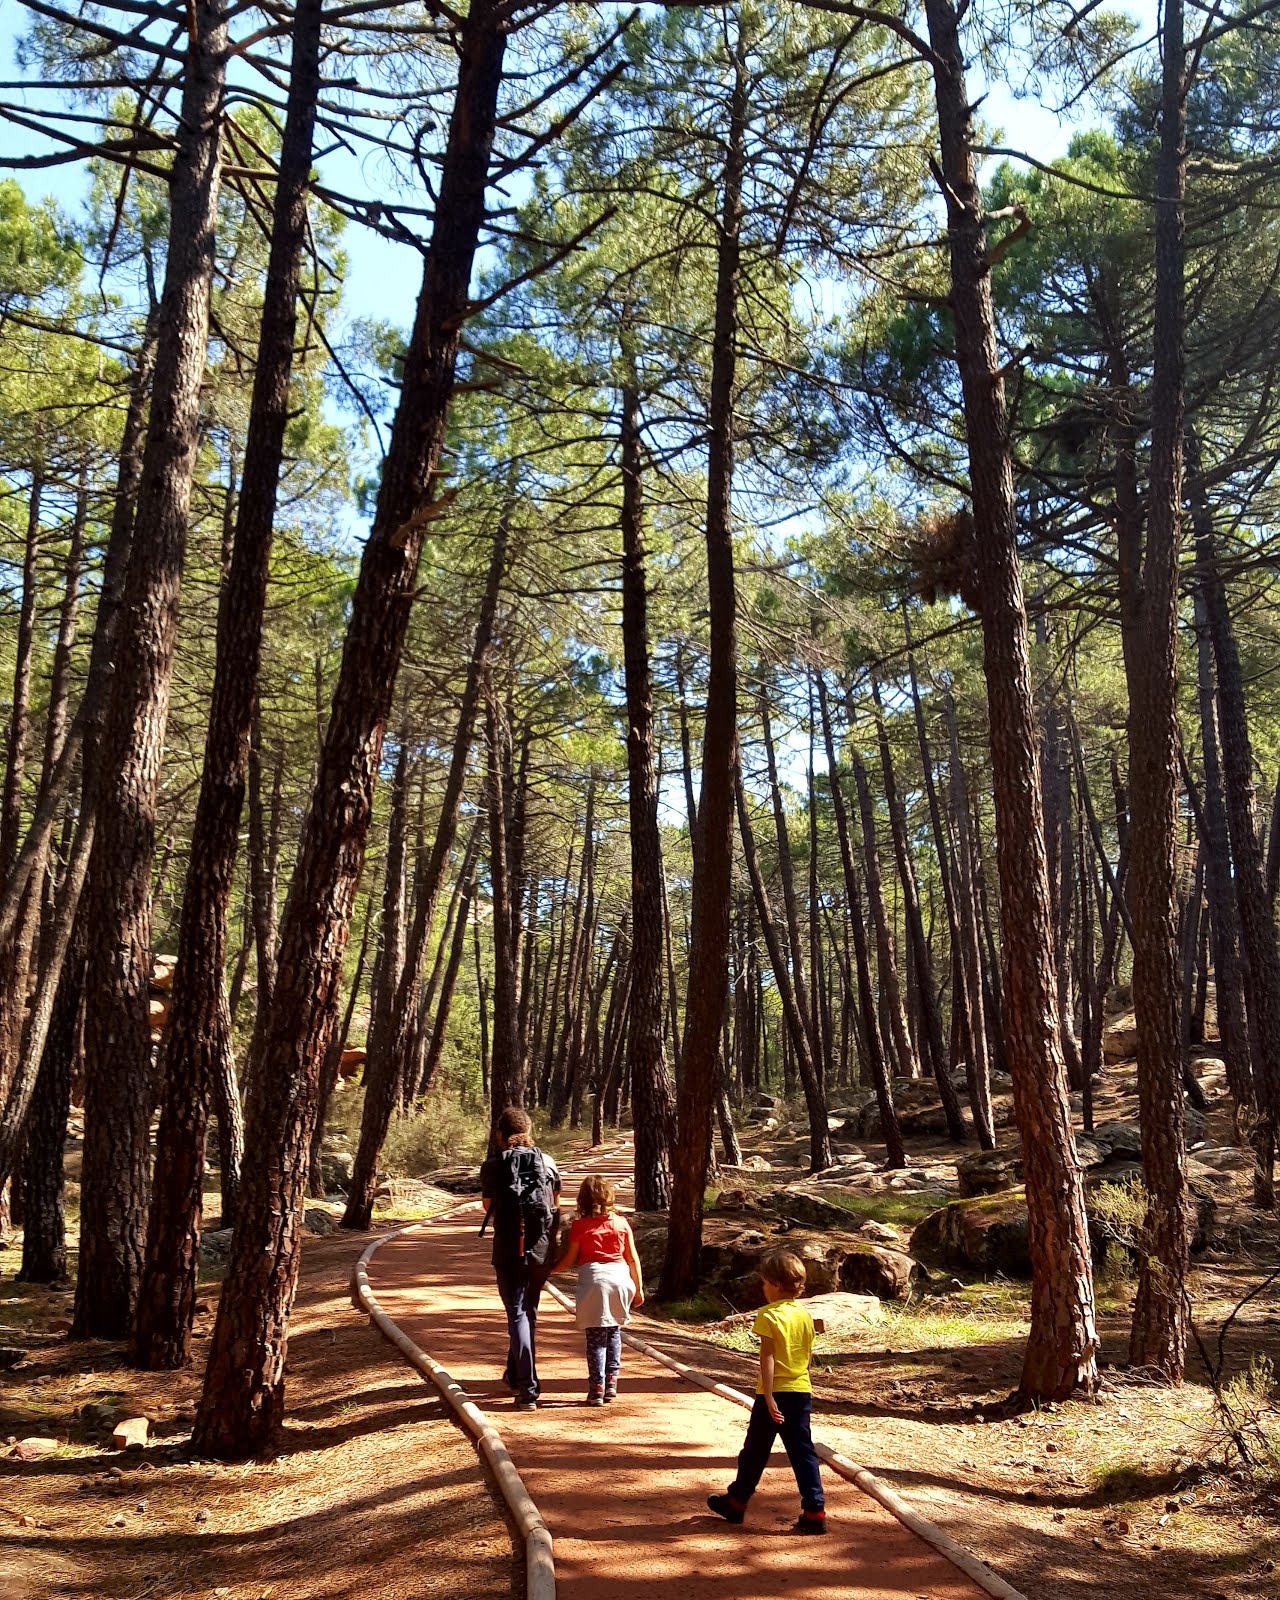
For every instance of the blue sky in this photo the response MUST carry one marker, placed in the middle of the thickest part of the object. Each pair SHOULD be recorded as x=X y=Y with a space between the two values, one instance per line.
x=384 y=276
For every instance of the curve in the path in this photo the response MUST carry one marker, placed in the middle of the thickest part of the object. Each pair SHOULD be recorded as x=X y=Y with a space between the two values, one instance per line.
x=623 y=1487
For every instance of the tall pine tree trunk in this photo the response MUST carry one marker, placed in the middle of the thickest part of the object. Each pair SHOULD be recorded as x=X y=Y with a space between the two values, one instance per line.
x=119 y=1083
x=652 y=1095
x=196 y=1059
x=243 y=1399
x=712 y=877
x=1061 y=1353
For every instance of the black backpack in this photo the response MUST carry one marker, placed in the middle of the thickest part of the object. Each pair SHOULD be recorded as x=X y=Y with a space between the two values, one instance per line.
x=524 y=1213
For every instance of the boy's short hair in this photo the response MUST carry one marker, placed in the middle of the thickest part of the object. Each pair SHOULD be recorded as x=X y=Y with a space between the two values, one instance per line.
x=785 y=1268
x=514 y=1123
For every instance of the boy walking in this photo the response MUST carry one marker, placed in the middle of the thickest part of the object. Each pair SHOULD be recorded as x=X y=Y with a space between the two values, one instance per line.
x=784 y=1398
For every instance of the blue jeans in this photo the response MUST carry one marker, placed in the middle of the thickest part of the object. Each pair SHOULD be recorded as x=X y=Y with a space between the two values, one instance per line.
x=797 y=1440
x=520 y=1291
x=604 y=1355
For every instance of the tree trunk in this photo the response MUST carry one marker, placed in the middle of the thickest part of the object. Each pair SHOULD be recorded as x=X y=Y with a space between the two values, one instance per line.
x=815 y=1099
x=333 y=1062
x=791 y=911
x=243 y=1399
x=16 y=746
x=196 y=1061
x=1257 y=927
x=507 y=1076
x=1149 y=631
x=712 y=873
x=889 y=1129
x=440 y=1022
x=977 y=1061
x=1224 y=912
x=886 y=963
x=927 y=998
x=385 y=1069
x=652 y=1094
x=1061 y=1353
x=119 y=1082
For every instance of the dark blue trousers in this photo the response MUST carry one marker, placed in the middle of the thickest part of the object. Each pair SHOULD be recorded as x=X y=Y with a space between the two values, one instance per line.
x=521 y=1290
x=797 y=1441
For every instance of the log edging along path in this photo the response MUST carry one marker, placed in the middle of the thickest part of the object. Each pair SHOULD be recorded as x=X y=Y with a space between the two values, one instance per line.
x=540 y=1575
x=540 y=1570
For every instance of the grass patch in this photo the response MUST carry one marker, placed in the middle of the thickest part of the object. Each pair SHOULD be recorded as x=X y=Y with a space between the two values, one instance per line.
x=701 y=1307
x=895 y=1207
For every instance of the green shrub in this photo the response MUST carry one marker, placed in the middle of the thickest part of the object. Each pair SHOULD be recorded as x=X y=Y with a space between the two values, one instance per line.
x=435 y=1134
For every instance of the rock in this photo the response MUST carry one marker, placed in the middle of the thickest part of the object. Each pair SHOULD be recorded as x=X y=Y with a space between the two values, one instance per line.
x=34 y=1449
x=1225 y=1158
x=988 y=1233
x=10 y=1356
x=1119 y=1138
x=349 y=1064
x=335 y=1169
x=215 y=1247
x=1120 y=1038
x=989 y=1171
x=1200 y=1224
x=880 y=1232
x=877 y=1270
x=1196 y=1125
x=840 y=1311
x=812 y=1210
x=318 y=1222
x=202 y=1515
x=98 y=1414
x=733 y=1199
x=131 y=1434
x=457 y=1180
x=747 y=1164
x=1089 y=1152
x=760 y=1098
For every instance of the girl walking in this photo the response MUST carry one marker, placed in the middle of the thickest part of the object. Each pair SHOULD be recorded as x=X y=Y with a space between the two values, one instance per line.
x=603 y=1248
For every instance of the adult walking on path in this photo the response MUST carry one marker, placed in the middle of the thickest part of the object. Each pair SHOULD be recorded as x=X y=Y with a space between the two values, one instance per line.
x=623 y=1488
x=519 y=1186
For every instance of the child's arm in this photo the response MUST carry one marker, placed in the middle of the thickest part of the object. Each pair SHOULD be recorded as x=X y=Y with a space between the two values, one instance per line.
x=633 y=1263
x=766 y=1376
x=569 y=1258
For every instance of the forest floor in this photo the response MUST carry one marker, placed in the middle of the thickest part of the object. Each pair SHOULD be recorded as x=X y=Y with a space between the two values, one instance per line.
x=1129 y=1492
x=374 y=1494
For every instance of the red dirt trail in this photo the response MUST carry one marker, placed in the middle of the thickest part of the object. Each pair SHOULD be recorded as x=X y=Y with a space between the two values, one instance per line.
x=623 y=1487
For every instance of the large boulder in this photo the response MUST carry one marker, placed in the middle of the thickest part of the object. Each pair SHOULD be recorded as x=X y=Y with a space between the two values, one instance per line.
x=989 y=1171
x=1120 y=1038
x=842 y=1312
x=801 y=1204
x=874 y=1269
x=457 y=1180
x=1201 y=1220
x=215 y=1247
x=985 y=1234
x=1122 y=1139
x=335 y=1169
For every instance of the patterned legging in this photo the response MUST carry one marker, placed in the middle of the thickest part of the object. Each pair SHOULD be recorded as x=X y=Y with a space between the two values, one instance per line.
x=604 y=1355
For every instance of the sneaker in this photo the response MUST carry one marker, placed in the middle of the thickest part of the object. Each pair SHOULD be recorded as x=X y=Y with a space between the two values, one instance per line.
x=526 y=1405
x=810 y=1522
x=724 y=1507
x=610 y=1390
x=595 y=1395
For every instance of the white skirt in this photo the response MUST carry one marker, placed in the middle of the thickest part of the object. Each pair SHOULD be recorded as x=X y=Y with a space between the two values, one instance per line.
x=604 y=1294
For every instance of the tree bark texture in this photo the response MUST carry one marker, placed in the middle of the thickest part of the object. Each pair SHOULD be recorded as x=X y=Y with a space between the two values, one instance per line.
x=1149 y=630
x=712 y=877
x=243 y=1398
x=652 y=1093
x=197 y=1057
x=119 y=1084
x=1061 y=1353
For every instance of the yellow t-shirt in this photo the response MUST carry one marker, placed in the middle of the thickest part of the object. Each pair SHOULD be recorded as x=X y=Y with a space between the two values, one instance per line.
x=790 y=1327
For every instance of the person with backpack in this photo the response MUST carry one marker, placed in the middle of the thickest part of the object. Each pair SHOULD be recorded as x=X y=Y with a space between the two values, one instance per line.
x=519 y=1188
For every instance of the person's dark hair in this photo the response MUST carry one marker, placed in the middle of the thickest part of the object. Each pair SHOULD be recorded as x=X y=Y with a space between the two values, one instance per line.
x=597 y=1197
x=515 y=1126
x=784 y=1268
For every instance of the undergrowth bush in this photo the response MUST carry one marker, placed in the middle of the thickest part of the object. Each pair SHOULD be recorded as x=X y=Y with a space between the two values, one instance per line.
x=435 y=1134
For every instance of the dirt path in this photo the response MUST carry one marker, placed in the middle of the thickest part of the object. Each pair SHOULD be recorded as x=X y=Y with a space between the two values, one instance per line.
x=622 y=1487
